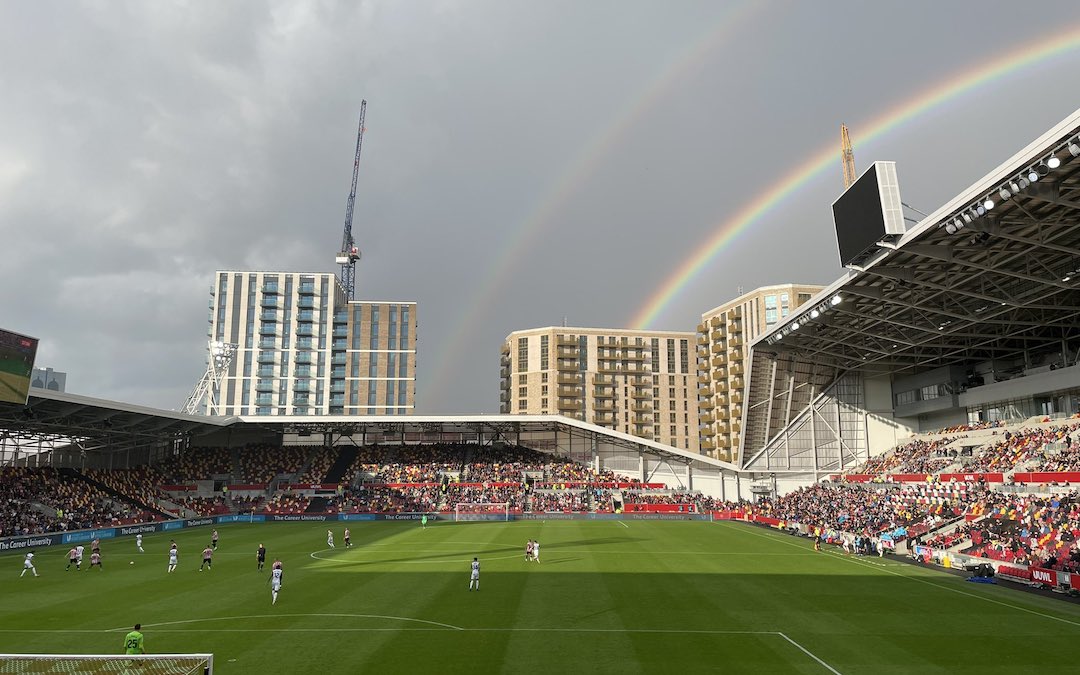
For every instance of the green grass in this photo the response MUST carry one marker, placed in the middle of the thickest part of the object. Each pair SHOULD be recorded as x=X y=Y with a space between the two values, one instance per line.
x=641 y=598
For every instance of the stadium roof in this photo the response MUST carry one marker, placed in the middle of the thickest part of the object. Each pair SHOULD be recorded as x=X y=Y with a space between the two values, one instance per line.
x=992 y=274
x=60 y=420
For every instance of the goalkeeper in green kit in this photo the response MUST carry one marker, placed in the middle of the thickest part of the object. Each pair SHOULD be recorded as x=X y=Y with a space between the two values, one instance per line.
x=133 y=641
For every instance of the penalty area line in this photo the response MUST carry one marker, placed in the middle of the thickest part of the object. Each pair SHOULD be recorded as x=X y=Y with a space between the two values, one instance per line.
x=623 y=524
x=806 y=651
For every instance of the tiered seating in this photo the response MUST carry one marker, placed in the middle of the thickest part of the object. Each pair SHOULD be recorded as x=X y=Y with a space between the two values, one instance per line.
x=286 y=503
x=916 y=456
x=514 y=496
x=1028 y=529
x=196 y=464
x=321 y=462
x=260 y=464
x=421 y=464
x=201 y=506
x=383 y=499
x=139 y=483
x=1013 y=449
x=560 y=500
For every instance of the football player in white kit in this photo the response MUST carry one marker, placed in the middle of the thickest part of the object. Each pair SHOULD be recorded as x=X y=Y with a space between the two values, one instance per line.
x=138 y=543
x=78 y=555
x=536 y=551
x=28 y=564
x=172 y=557
x=474 y=577
x=330 y=538
x=275 y=582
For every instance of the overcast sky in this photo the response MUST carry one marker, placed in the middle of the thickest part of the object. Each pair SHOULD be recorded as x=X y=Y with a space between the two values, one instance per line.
x=524 y=161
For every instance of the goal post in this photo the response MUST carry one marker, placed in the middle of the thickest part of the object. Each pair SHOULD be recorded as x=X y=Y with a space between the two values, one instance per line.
x=464 y=513
x=113 y=664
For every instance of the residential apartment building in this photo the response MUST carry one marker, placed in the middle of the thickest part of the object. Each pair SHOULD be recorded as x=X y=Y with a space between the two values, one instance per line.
x=722 y=337
x=303 y=349
x=637 y=382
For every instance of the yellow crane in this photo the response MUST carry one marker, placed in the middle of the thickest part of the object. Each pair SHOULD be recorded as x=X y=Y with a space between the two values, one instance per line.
x=847 y=157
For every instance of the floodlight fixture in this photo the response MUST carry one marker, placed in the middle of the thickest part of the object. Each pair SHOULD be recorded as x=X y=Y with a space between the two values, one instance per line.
x=1033 y=176
x=988 y=204
x=794 y=325
x=1053 y=162
x=1004 y=193
x=1074 y=149
x=951 y=228
x=814 y=314
x=967 y=217
x=1014 y=187
x=836 y=300
x=1042 y=169
x=1023 y=183
x=980 y=210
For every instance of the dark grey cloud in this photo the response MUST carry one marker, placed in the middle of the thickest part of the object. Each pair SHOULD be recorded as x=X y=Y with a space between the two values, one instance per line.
x=144 y=145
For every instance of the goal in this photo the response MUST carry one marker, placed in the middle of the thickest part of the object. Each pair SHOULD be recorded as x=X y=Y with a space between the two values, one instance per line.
x=91 y=664
x=485 y=511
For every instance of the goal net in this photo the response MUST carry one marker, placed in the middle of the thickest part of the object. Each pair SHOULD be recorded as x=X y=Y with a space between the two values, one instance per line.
x=486 y=511
x=91 y=664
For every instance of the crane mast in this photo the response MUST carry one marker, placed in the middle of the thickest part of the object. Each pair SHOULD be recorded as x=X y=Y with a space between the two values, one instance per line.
x=349 y=253
x=847 y=156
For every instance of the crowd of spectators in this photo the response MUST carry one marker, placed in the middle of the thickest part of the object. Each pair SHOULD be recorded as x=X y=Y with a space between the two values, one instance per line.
x=1028 y=529
x=1014 y=448
x=513 y=496
x=1066 y=459
x=201 y=506
x=383 y=499
x=560 y=500
x=286 y=503
x=916 y=456
x=139 y=484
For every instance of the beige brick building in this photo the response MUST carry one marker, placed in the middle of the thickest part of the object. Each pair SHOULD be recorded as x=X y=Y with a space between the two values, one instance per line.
x=721 y=342
x=637 y=382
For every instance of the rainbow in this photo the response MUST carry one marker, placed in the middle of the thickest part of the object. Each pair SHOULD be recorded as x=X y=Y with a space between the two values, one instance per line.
x=584 y=164
x=1036 y=52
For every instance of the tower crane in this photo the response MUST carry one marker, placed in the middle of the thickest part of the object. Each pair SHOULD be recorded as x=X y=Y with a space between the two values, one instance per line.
x=847 y=157
x=349 y=253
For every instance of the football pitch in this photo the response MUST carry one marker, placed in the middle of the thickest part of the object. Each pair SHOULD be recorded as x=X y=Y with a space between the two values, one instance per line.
x=606 y=597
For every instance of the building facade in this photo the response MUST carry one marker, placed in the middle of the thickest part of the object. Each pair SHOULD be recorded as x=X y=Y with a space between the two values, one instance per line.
x=47 y=378
x=637 y=382
x=303 y=349
x=722 y=337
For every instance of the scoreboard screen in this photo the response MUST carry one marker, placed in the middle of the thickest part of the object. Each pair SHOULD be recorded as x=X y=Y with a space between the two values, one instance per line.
x=17 y=354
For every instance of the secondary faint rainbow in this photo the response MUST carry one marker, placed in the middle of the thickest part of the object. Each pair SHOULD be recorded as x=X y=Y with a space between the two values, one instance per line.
x=576 y=173
x=1038 y=51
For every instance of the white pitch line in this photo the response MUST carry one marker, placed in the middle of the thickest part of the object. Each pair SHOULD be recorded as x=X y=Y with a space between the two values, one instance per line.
x=928 y=583
x=623 y=524
x=806 y=651
x=277 y=616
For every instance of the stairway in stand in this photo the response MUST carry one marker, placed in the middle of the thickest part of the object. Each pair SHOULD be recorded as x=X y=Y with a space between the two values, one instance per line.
x=346 y=457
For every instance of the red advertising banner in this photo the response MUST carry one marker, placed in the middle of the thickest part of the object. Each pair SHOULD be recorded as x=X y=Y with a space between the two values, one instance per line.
x=909 y=477
x=1047 y=477
x=311 y=486
x=972 y=477
x=1042 y=576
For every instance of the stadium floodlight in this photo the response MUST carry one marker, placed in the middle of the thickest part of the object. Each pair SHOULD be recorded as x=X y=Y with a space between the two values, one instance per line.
x=1004 y=193
x=836 y=300
x=814 y=314
x=1023 y=183
x=1074 y=149
x=967 y=217
x=980 y=210
x=1053 y=162
x=1033 y=176
x=1014 y=187
x=779 y=336
x=1042 y=169
x=794 y=325
x=988 y=204
x=951 y=227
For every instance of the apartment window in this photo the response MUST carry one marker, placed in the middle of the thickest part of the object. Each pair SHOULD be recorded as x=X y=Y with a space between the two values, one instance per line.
x=671 y=380
x=543 y=377
x=583 y=352
x=373 y=364
x=390 y=393
x=373 y=342
x=684 y=405
x=544 y=390
x=673 y=430
x=785 y=305
x=671 y=392
x=523 y=354
x=803 y=298
x=656 y=431
x=544 y=404
x=671 y=356
x=404 y=327
x=523 y=404
x=684 y=356
x=686 y=431
x=770 y=310
x=523 y=392
x=656 y=419
x=656 y=392
x=523 y=379
x=403 y=365
x=656 y=355
x=671 y=418
x=544 y=352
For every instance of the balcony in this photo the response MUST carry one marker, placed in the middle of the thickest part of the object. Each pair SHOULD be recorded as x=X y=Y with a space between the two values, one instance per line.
x=337 y=388
x=633 y=355
x=306 y=343
x=303 y=371
x=720 y=399
x=719 y=374
x=641 y=419
x=267 y=343
x=703 y=379
x=270 y=302
x=641 y=394
x=264 y=400
x=604 y=419
x=736 y=426
x=570 y=404
x=504 y=372
x=703 y=353
x=270 y=288
x=566 y=341
x=707 y=404
x=734 y=326
x=338 y=360
x=736 y=383
x=736 y=369
x=504 y=396
x=301 y=386
x=604 y=406
x=266 y=357
x=505 y=351
x=723 y=442
x=641 y=408
x=702 y=327
x=736 y=396
x=504 y=409
x=341 y=332
x=305 y=359
x=719 y=360
x=306 y=288
x=264 y=385
x=306 y=315
x=736 y=413
x=705 y=391
x=301 y=399
x=643 y=432
x=569 y=378
x=718 y=336
x=265 y=372
x=305 y=330
x=571 y=391
x=721 y=413
x=718 y=349
x=702 y=340
x=638 y=381
x=306 y=303
x=735 y=355
x=341 y=318
x=572 y=352
x=715 y=322
x=722 y=428
x=706 y=418
x=267 y=328
x=603 y=392
x=337 y=373
x=337 y=400
x=339 y=344
x=568 y=365
x=735 y=341
x=707 y=445
x=708 y=432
